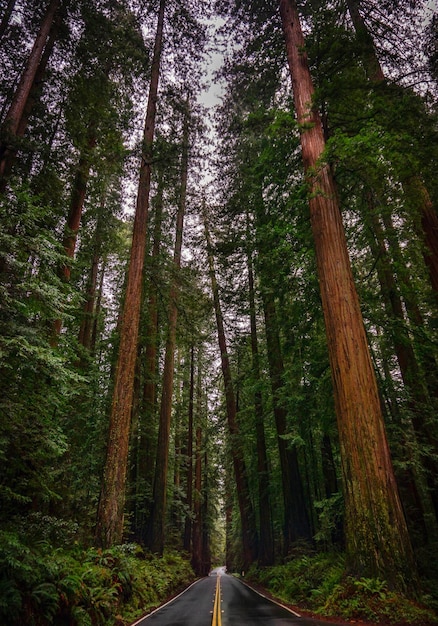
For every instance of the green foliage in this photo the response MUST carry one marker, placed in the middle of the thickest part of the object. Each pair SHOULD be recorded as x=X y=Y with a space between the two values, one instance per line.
x=370 y=599
x=330 y=511
x=43 y=585
x=304 y=581
x=36 y=380
x=318 y=583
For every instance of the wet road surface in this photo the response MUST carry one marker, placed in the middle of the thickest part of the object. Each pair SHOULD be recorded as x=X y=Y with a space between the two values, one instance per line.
x=222 y=600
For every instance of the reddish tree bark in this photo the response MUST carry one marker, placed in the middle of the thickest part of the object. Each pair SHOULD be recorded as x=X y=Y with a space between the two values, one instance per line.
x=377 y=539
x=109 y=528
x=34 y=93
x=156 y=531
x=77 y=200
x=147 y=443
x=13 y=117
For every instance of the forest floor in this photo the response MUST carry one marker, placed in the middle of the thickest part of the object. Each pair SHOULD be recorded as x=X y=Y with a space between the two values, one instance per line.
x=306 y=612
x=322 y=618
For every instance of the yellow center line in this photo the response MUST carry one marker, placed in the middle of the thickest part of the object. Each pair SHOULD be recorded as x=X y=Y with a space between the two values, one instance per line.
x=217 y=614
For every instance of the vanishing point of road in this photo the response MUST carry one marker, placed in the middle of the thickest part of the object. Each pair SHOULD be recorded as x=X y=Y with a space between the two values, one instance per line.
x=222 y=600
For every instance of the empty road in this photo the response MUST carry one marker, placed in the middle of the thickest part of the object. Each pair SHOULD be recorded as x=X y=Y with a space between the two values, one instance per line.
x=222 y=600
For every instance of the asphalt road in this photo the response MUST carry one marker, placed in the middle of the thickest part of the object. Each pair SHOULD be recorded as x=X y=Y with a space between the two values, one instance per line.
x=222 y=600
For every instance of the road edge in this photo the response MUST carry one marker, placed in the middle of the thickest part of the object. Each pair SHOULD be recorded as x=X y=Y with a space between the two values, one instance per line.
x=161 y=606
x=270 y=598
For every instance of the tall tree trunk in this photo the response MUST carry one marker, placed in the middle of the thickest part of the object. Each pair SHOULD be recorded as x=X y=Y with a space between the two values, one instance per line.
x=372 y=64
x=147 y=446
x=426 y=357
x=201 y=555
x=247 y=518
x=85 y=331
x=157 y=521
x=266 y=544
x=206 y=551
x=77 y=201
x=413 y=185
x=34 y=93
x=197 y=507
x=98 y=307
x=189 y=501
x=109 y=528
x=296 y=518
x=228 y=521
x=89 y=310
x=377 y=539
x=15 y=112
x=412 y=377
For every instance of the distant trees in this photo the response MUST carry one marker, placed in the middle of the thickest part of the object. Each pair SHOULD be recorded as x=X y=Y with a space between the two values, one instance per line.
x=269 y=370
x=261 y=163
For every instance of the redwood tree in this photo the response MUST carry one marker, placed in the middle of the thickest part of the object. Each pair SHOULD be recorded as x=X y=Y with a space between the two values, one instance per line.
x=377 y=539
x=15 y=112
x=156 y=531
x=109 y=527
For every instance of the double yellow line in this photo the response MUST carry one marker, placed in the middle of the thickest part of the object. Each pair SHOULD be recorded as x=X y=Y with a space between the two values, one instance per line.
x=217 y=613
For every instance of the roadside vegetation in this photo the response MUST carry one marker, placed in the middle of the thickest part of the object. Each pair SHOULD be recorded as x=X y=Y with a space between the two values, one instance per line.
x=218 y=322
x=318 y=584
x=41 y=584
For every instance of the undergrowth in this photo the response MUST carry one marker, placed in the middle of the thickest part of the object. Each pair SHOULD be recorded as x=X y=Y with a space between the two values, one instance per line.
x=318 y=583
x=41 y=585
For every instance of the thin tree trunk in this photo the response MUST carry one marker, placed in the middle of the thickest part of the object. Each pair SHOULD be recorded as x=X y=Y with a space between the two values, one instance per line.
x=413 y=376
x=34 y=93
x=85 y=331
x=98 y=308
x=247 y=518
x=78 y=193
x=266 y=546
x=77 y=200
x=229 y=556
x=87 y=322
x=196 y=560
x=157 y=521
x=296 y=518
x=205 y=543
x=426 y=356
x=15 y=112
x=377 y=539
x=189 y=501
x=109 y=528
x=413 y=186
x=175 y=514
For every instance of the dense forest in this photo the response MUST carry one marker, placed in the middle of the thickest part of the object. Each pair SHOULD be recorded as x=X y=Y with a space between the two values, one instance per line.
x=218 y=323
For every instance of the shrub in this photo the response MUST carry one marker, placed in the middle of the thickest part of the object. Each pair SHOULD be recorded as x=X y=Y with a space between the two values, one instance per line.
x=40 y=585
x=317 y=583
x=370 y=599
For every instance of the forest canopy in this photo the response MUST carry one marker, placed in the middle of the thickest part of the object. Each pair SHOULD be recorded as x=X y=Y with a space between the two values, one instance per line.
x=219 y=303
